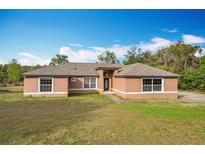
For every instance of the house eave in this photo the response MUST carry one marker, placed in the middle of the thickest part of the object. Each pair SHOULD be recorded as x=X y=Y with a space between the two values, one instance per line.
x=147 y=76
x=51 y=75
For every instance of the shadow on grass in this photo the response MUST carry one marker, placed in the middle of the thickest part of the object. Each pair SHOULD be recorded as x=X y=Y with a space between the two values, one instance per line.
x=8 y=91
x=83 y=94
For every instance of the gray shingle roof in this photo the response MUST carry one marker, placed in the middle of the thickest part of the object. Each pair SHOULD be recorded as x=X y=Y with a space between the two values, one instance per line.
x=139 y=70
x=89 y=69
x=72 y=69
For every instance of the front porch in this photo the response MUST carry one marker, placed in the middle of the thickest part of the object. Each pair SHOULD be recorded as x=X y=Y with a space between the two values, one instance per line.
x=105 y=83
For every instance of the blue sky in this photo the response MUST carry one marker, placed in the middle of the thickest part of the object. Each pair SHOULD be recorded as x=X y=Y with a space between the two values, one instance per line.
x=35 y=36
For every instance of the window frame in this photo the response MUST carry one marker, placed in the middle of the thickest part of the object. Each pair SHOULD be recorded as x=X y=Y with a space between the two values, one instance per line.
x=89 y=82
x=152 y=85
x=39 y=85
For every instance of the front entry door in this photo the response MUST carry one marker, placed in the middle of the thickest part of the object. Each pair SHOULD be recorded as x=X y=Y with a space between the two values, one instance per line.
x=106 y=84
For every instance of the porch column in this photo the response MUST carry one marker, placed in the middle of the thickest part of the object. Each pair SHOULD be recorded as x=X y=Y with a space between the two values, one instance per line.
x=101 y=80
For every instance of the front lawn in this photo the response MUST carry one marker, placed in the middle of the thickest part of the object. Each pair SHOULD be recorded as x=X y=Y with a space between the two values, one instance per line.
x=95 y=119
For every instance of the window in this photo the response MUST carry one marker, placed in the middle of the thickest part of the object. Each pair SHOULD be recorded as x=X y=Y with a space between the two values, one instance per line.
x=45 y=84
x=152 y=85
x=106 y=75
x=93 y=82
x=73 y=79
x=86 y=82
x=89 y=82
x=147 y=84
x=157 y=84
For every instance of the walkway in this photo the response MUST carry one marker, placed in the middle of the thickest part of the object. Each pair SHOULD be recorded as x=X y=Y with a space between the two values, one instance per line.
x=114 y=98
x=194 y=96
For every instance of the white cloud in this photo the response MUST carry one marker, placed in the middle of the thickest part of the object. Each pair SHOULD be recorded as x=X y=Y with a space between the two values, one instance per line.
x=119 y=49
x=193 y=39
x=170 y=30
x=90 y=54
x=203 y=52
x=155 y=44
x=27 y=58
x=1 y=61
x=76 y=45
x=79 y=56
x=197 y=54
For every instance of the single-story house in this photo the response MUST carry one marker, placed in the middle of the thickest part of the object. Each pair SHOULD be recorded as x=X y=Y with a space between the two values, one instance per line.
x=129 y=81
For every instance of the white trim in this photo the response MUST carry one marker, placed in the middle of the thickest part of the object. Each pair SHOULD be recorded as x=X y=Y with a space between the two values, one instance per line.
x=163 y=84
x=162 y=90
x=43 y=93
x=84 y=89
x=83 y=82
x=96 y=86
x=52 y=80
x=38 y=85
x=52 y=84
x=130 y=93
x=89 y=80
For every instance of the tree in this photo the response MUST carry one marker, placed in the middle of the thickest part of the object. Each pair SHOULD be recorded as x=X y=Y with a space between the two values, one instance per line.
x=163 y=57
x=14 y=71
x=179 y=55
x=134 y=55
x=3 y=73
x=193 y=79
x=108 y=57
x=59 y=59
x=147 y=57
x=181 y=58
x=26 y=68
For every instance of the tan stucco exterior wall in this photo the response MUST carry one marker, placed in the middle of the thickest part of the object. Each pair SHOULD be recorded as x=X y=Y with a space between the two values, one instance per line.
x=75 y=87
x=77 y=84
x=126 y=86
x=30 y=85
x=119 y=84
x=100 y=79
x=133 y=84
x=170 y=84
x=59 y=85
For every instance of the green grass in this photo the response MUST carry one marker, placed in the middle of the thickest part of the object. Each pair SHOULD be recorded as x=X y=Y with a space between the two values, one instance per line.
x=175 y=112
x=95 y=119
x=163 y=101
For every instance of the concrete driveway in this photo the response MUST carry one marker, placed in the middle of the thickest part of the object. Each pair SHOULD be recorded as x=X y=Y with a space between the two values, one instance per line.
x=194 y=96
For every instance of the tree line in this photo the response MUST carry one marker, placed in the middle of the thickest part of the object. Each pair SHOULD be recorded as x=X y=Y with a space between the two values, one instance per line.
x=180 y=58
x=11 y=74
x=184 y=59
